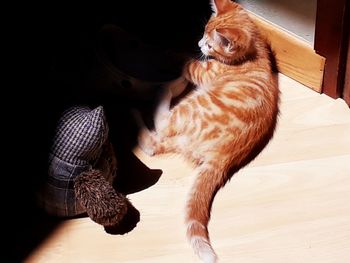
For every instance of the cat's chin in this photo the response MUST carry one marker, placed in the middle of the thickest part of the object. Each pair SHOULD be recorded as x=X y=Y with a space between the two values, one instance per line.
x=204 y=51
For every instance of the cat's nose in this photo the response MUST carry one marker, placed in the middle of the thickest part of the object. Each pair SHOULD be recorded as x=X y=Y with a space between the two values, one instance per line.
x=201 y=42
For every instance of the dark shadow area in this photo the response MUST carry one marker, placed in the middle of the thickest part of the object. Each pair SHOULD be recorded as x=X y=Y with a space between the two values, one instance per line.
x=35 y=227
x=133 y=176
x=63 y=55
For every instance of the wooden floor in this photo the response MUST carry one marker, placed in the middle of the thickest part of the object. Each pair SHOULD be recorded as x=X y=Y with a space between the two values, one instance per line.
x=292 y=204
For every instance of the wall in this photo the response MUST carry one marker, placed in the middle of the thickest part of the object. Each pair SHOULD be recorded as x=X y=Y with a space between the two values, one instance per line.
x=298 y=17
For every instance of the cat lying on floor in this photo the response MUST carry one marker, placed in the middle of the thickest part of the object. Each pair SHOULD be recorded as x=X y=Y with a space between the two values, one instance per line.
x=226 y=121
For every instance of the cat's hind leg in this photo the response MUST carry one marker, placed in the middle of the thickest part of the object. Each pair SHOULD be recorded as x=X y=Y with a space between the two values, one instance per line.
x=147 y=141
x=151 y=144
x=162 y=113
x=170 y=91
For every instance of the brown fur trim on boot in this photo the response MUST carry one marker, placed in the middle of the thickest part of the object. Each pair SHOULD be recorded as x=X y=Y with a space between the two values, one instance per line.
x=103 y=204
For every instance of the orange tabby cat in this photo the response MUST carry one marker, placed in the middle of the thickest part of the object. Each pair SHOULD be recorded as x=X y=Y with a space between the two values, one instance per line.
x=226 y=121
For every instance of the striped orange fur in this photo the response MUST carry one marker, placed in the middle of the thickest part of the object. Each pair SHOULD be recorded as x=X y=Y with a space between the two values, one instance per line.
x=226 y=121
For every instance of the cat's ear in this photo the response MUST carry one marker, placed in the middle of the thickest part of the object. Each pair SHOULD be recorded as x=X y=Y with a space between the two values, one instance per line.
x=220 y=6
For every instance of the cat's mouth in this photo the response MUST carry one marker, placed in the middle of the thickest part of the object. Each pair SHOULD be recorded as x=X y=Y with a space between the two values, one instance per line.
x=206 y=57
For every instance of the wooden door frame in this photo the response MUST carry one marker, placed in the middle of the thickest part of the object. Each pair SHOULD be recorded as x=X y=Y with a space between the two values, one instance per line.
x=346 y=91
x=331 y=42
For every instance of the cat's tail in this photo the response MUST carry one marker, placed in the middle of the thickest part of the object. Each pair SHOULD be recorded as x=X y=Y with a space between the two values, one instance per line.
x=205 y=187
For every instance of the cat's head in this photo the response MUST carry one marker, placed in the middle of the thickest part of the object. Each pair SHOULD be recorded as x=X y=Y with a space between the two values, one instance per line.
x=228 y=35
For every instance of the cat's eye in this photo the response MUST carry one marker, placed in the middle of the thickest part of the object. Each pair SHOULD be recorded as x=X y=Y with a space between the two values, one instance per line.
x=209 y=46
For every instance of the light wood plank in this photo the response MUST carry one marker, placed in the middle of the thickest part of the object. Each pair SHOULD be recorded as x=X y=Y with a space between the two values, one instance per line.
x=290 y=205
x=295 y=58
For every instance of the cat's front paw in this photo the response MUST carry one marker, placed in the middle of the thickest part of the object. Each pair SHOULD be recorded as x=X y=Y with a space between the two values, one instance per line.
x=147 y=142
x=177 y=86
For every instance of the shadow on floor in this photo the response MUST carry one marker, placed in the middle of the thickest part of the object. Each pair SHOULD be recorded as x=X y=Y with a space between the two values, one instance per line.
x=63 y=70
x=29 y=226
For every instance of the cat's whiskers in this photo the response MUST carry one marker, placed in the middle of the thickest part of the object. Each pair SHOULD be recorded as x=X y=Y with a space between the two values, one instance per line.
x=203 y=57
